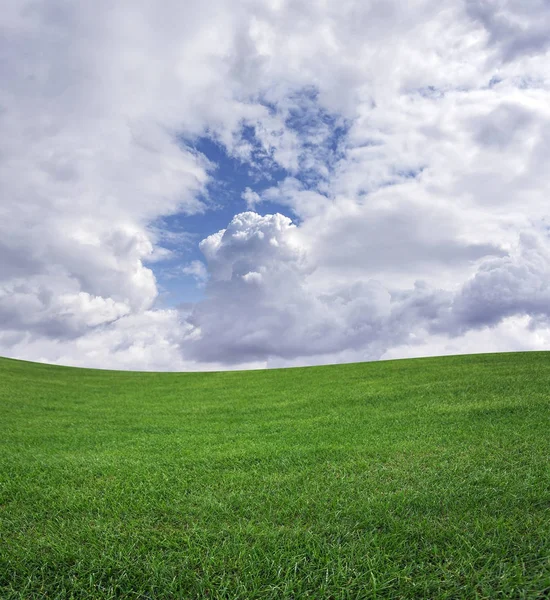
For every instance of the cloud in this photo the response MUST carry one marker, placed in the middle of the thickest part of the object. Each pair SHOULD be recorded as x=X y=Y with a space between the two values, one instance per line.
x=517 y=28
x=265 y=302
x=148 y=341
x=250 y=197
x=517 y=284
x=197 y=270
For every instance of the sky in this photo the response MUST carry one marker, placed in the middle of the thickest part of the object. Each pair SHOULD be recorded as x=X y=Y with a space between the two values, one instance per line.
x=272 y=183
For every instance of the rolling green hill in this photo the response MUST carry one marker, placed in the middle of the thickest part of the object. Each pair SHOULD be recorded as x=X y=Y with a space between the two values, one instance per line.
x=425 y=478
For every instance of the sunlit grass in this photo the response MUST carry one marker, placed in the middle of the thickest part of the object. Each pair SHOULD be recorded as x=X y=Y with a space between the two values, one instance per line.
x=426 y=478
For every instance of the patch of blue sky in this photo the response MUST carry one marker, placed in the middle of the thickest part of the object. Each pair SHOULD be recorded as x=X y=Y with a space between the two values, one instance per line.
x=409 y=173
x=223 y=199
x=400 y=176
x=431 y=91
x=321 y=138
x=322 y=135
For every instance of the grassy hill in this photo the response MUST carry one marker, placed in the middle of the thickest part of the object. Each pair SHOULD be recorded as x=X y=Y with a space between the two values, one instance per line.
x=425 y=478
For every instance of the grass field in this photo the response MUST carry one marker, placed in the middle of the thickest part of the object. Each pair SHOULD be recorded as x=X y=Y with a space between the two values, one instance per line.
x=425 y=478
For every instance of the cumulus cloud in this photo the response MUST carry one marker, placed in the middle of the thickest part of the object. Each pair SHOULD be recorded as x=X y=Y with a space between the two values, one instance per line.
x=414 y=142
x=517 y=28
x=512 y=285
x=265 y=301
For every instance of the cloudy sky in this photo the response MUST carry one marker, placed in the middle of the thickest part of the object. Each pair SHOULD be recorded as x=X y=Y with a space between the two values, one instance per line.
x=194 y=185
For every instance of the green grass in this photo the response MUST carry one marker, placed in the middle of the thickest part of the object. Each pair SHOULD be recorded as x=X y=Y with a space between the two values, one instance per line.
x=426 y=478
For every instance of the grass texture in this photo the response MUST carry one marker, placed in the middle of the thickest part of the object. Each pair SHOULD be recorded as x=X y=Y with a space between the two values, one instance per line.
x=424 y=478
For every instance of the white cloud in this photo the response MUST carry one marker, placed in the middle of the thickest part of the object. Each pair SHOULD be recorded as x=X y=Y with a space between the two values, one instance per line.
x=197 y=270
x=149 y=341
x=517 y=28
x=513 y=334
x=250 y=197
x=511 y=285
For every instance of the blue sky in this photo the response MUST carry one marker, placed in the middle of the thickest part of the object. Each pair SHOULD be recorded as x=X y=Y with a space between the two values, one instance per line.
x=223 y=197
x=231 y=176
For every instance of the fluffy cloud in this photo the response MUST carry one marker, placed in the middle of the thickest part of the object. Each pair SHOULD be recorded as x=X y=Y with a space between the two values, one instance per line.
x=512 y=285
x=516 y=28
x=265 y=301
x=414 y=140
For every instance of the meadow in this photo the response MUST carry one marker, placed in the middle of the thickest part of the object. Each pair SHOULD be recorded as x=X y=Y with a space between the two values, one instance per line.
x=424 y=478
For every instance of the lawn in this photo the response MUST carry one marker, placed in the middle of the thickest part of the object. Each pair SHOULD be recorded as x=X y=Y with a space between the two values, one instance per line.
x=424 y=478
